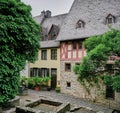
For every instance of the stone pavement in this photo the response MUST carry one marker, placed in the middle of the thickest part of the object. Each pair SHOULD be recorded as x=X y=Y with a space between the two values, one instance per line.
x=60 y=97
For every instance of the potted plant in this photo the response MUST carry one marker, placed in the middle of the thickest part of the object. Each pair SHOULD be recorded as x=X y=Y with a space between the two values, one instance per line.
x=30 y=83
x=36 y=82
x=44 y=83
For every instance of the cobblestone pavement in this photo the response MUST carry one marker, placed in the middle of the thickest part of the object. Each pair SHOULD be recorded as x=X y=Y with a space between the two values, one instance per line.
x=60 y=97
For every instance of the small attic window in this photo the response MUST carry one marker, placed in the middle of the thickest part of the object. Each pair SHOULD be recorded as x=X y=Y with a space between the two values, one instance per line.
x=110 y=19
x=53 y=32
x=80 y=24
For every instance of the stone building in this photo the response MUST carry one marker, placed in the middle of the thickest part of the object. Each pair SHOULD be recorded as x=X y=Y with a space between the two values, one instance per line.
x=85 y=18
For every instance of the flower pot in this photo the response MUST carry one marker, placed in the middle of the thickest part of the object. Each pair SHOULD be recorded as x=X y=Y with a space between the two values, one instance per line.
x=37 y=88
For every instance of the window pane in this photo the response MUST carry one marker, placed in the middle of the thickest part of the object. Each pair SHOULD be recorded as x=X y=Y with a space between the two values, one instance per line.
x=54 y=54
x=68 y=84
x=67 y=67
x=44 y=72
x=44 y=54
x=35 y=71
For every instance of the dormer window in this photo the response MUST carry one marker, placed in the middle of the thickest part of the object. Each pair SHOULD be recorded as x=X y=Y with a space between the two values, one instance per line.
x=80 y=24
x=54 y=30
x=110 y=19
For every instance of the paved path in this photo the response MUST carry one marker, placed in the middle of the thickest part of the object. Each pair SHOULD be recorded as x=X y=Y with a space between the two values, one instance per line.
x=32 y=95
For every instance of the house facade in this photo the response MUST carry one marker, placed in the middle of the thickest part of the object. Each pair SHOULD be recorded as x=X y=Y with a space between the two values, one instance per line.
x=48 y=63
x=85 y=19
x=68 y=32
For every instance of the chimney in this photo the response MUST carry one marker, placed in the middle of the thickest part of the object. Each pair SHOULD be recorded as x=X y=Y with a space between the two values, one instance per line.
x=48 y=14
x=43 y=13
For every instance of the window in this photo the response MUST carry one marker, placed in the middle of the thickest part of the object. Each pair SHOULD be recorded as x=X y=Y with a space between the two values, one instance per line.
x=44 y=54
x=68 y=84
x=54 y=54
x=67 y=67
x=44 y=72
x=80 y=24
x=54 y=30
x=74 y=45
x=110 y=92
x=80 y=45
x=34 y=72
x=54 y=71
x=110 y=19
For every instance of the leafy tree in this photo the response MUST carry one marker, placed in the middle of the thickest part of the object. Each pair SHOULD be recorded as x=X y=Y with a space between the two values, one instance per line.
x=96 y=63
x=19 y=41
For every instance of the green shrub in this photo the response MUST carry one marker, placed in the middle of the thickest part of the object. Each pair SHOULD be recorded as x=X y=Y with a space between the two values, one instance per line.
x=37 y=81
x=57 y=89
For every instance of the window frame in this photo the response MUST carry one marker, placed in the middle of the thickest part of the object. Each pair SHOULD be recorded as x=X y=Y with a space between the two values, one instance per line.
x=110 y=19
x=68 y=84
x=66 y=67
x=53 y=54
x=80 y=24
x=44 y=54
x=44 y=72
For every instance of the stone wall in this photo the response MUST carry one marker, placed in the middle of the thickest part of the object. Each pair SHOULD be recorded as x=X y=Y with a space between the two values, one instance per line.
x=76 y=89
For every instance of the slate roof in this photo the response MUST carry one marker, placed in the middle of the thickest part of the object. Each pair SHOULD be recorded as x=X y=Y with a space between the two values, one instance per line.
x=56 y=20
x=93 y=13
x=49 y=44
x=47 y=24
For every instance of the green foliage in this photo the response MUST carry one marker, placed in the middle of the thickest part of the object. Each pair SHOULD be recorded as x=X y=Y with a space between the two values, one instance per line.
x=108 y=80
x=87 y=68
x=57 y=89
x=37 y=81
x=99 y=49
x=23 y=80
x=116 y=83
x=19 y=41
x=76 y=69
x=113 y=81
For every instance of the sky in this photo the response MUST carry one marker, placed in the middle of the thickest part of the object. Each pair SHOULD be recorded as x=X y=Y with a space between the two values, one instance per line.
x=55 y=6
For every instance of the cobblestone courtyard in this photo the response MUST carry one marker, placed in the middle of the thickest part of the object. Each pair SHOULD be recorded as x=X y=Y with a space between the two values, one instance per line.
x=59 y=97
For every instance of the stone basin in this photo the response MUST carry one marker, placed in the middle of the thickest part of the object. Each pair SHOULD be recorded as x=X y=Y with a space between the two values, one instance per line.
x=43 y=106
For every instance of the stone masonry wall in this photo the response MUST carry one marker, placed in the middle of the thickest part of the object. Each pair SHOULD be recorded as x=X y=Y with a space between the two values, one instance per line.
x=77 y=90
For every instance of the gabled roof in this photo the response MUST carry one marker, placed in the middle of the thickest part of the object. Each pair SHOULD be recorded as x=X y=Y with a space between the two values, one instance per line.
x=54 y=20
x=93 y=13
x=47 y=24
